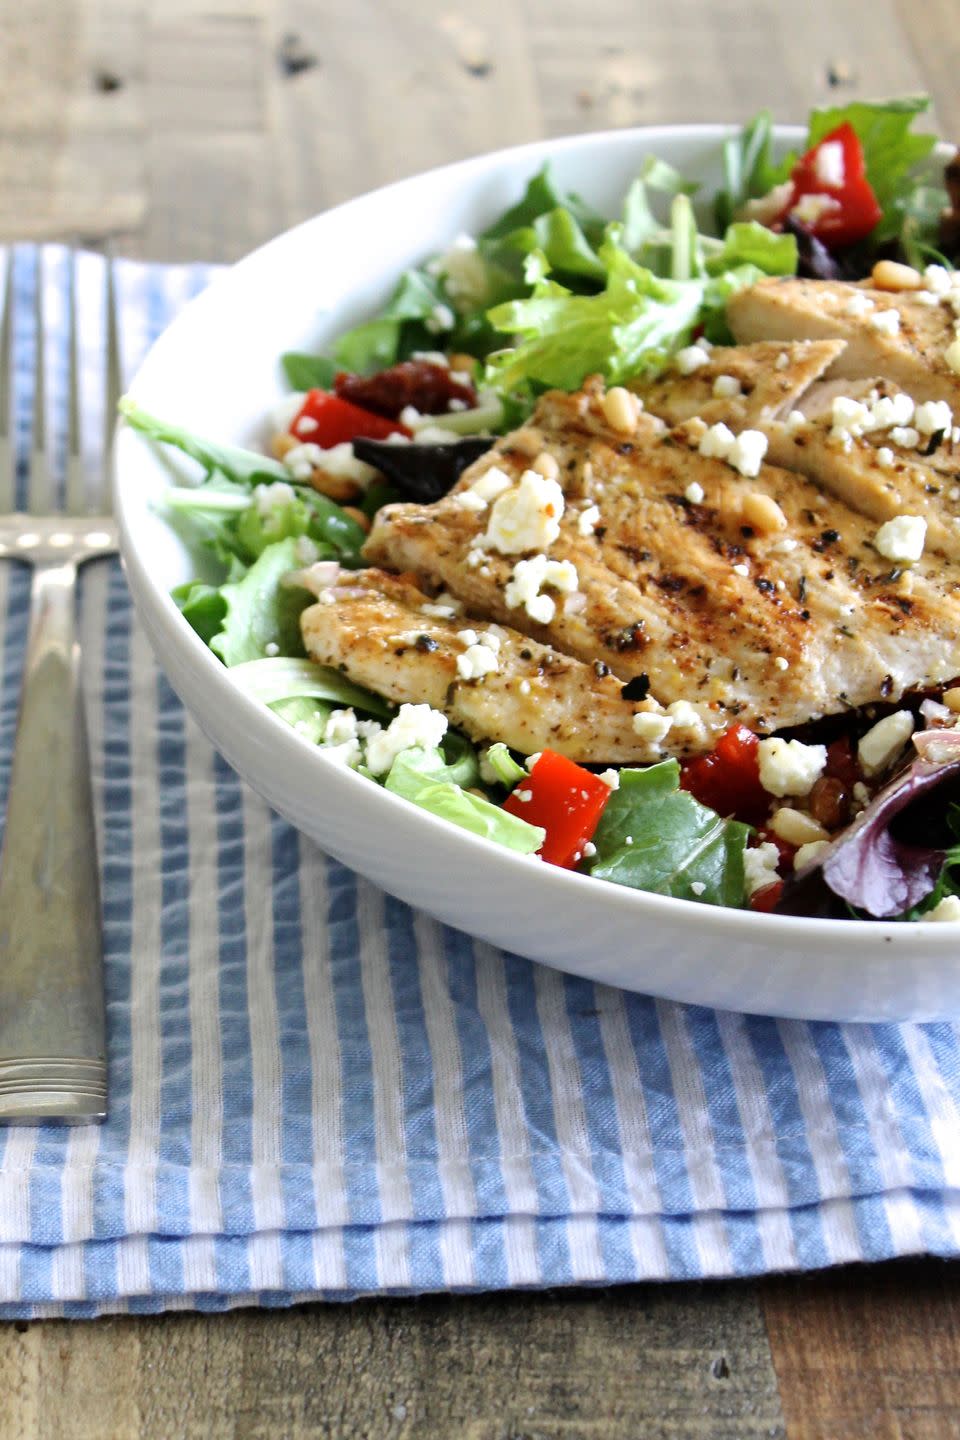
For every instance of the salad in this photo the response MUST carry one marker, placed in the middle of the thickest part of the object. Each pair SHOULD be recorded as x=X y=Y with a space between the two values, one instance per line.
x=854 y=812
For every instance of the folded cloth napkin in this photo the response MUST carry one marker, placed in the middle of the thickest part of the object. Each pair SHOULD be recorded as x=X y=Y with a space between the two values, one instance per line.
x=318 y=1093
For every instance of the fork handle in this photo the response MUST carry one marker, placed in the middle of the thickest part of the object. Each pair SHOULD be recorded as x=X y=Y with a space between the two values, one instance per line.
x=52 y=1041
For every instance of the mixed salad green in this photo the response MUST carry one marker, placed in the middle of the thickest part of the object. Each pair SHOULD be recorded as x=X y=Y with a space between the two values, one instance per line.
x=548 y=294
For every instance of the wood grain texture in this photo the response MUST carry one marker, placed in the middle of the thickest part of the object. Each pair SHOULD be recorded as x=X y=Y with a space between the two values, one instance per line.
x=198 y=128
x=684 y=1363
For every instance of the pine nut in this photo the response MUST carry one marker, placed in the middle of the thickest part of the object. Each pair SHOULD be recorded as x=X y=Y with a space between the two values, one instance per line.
x=890 y=275
x=763 y=512
x=335 y=487
x=282 y=443
x=546 y=465
x=951 y=698
x=796 y=827
x=620 y=410
x=362 y=520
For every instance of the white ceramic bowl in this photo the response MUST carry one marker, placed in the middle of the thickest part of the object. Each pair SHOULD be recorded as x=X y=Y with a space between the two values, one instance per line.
x=215 y=370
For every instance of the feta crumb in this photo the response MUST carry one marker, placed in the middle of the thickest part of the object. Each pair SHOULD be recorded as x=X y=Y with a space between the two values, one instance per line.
x=697 y=886
x=528 y=579
x=526 y=518
x=306 y=550
x=469 y=500
x=885 y=457
x=760 y=866
x=413 y=725
x=341 y=727
x=741 y=569
x=717 y=442
x=652 y=728
x=786 y=546
x=781 y=662
x=588 y=520
x=685 y=716
x=948 y=909
x=444 y=607
x=905 y=436
x=952 y=356
x=747 y=452
x=271 y=649
x=531 y=760
x=611 y=778
x=694 y=493
x=589 y=850
x=469 y=637
x=782 y=361
x=492 y=482
x=882 y=744
x=849 y=417
x=306 y=425
x=788 y=767
x=477 y=661
x=932 y=416
x=524 y=687
x=938 y=279
x=809 y=209
x=888 y=410
x=795 y=421
x=273 y=497
x=690 y=359
x=441 y=318
x=902 y=538
x=725 y=387
x=828 y=165
x=886 y=322
x=858 y=304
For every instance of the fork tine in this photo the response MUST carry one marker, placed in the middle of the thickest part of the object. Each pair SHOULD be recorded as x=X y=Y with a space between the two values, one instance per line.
x=75 y=498
x=40 y=497
x=8 y=458
x=113 y=387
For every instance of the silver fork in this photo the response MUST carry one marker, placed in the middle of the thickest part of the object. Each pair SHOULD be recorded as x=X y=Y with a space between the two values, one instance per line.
x=52 y=1035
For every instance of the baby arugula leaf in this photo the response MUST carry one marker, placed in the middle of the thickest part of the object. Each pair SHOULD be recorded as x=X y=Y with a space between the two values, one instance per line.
x=654 y=836
x=233 y=462
x=261 y=610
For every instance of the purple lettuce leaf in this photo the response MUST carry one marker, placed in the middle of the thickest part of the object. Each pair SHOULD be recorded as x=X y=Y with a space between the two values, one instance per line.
x=890 y=857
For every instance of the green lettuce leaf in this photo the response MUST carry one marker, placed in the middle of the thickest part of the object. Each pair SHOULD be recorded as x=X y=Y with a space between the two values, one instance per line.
x=654 y=836
x=307 y=717
x=379 y=342
x=421 y=777
x=260 y=611
x=541 y=196
x=203 y=606
x=309 y=372
x=280 y=677
x=749 y=169
x=242 y=467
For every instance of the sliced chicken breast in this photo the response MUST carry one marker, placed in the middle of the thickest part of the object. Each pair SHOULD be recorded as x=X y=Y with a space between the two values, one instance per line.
x=745 y=386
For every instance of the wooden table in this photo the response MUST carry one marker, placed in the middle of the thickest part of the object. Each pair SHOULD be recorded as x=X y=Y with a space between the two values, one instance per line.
x=198 y=130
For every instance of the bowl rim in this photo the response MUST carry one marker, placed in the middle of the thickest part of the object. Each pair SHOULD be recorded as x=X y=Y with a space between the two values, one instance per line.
x=849 y=937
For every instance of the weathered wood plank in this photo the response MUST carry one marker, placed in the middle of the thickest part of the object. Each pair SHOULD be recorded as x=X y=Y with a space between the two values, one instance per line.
x=868 y=1354
x=685 y=1363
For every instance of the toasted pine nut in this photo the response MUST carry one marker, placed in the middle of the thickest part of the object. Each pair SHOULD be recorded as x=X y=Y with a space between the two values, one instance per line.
x=620 y=410
x=763 y=511
x=890 y=275
x=282 y=443
x=546 y=465
x=951 y=698
x=462 y=362
x=527 y=441
x=796 y=827
x=335 y=487
x=362 y=520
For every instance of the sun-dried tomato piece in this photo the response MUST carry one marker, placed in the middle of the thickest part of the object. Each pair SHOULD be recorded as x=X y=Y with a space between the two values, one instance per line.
x=424 y=384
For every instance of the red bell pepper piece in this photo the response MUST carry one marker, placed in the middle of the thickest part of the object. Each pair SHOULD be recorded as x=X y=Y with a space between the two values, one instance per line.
x=566 y=800
x=728 y=779
x=839 y=178
x=766 y=900
x=326 y=420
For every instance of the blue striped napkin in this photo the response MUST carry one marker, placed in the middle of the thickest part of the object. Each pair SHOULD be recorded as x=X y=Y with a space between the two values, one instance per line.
x=317 y=1093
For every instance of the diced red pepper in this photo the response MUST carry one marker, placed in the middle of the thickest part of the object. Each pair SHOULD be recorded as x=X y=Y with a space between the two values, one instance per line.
x=766 y=900
x=850 y=210
x=326 y=420
x=566 y=800
x=728 y=779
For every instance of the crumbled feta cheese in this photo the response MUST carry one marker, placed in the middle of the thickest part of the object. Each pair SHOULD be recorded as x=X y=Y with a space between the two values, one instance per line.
x=924 y=297
x=444 y=607
x=652 y=728
x=531 y=760
x=741 y=569
x=785 y=546
x=858 y=304
x=477 y=661
x=828 y=164
x=932 y=416
x=611 y=778
x=529 y=577
x=414 y=725
x=464 y=272
x=589 y=850
x=760 y=866
x=747 y=452
x=694 y=493
x=849 y=417
x=885 y=457
x=810 y=209
x=690 y=359
x=952 y=356
x=271 y=649
x=808 y=853
x=885 y=322
x=441 y=318
x=781 y=662
x=697 y=886
x=469 y=500
x=902 y=538
x=526 y=518
x=341 y=726
x=725 y=387
x=782 y=360
x=948 y=909
x=788 y=767
x=339 y=460
x=716 y=442
x=887 y=410
x=938 y=279
x=524 y=687
x=349 y=753
x=469 y=637
x=306 y=425
x=905 y=436
x=270 y=498
x=796 y=421
x=687 y=718
x=882 y=744
x=588 y=520
x=492 y=482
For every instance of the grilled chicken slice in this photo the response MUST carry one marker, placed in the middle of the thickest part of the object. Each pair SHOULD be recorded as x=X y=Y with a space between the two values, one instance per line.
x=772 y=377
x=774 y=627
x=913 y=357
x=374 y=627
